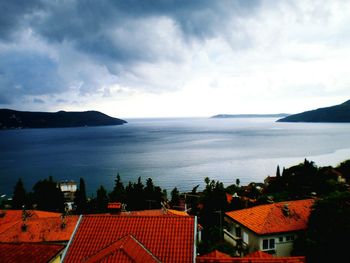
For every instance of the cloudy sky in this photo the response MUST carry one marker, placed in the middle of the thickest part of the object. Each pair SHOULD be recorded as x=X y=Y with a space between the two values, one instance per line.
x=162 y=58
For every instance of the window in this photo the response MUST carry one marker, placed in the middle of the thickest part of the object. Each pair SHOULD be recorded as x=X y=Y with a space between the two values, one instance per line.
x=238 y=232
x=245 y=238
x=280 y=239
x=289 y=238
x=268 y=244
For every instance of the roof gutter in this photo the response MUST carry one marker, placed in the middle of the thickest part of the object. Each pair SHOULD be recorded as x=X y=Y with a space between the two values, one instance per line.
x=71 y=238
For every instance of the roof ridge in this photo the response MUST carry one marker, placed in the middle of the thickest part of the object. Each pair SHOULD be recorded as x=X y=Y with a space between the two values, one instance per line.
x=119 y=245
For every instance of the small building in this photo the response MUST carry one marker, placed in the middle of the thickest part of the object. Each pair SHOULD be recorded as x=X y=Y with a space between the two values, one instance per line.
x=111 y=238
x=271 y=228
x=68 y=189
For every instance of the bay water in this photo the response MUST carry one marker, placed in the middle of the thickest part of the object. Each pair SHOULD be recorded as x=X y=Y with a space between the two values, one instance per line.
x=177 y=152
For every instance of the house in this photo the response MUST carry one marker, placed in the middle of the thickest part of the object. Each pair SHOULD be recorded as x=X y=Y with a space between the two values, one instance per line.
x=68 y=189
x=112 y=238
x=256 y=257
x=271 y=228
x=30 y=252
x=35 y=226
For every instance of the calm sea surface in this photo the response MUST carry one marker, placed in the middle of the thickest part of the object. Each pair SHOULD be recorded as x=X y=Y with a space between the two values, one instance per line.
x=173 y=152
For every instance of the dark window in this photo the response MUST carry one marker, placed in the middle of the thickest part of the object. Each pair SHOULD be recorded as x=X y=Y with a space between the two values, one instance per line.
x=289 y=238
x=265 y=244
x=268 y=244
x=280 y=239
x=238 y=232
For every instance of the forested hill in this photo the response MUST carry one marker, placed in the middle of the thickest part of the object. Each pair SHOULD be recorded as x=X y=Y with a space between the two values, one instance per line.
x=338 y=113
x=11 y=119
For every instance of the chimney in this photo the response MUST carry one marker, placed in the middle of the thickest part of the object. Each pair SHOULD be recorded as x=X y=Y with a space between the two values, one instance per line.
x=286 y=210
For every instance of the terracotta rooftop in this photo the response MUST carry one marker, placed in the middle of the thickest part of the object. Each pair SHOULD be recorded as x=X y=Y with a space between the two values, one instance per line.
x=28 y=252
x=165 y=238
x=259 y=254
x=114 y=205
x=39 y=229
x=256 y=257
x=9 y=218
x=126 y=249
x=154 y=212
x=214 y=255
x=273 y=218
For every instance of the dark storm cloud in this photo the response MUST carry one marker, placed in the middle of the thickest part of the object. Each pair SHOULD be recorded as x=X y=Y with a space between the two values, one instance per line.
x=113 y=34
x=90 y=24
x=28 y=74
x=14 y=15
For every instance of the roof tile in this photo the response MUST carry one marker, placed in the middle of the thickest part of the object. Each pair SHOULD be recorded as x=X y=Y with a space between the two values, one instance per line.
x=168 y=238
x=28 y=252
x=270 y=218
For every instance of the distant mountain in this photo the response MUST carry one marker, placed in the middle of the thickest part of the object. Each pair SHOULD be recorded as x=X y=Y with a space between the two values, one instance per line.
x=279 y=115
x=338 y=113
x=11 y=119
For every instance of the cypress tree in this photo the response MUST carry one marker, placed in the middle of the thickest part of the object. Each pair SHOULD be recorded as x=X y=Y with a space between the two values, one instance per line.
x=19 y=195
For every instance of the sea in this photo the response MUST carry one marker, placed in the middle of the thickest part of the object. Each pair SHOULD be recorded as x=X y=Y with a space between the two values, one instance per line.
x=176 y=152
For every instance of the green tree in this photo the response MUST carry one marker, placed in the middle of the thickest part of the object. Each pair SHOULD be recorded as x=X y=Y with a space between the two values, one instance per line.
x=175 y=197
x=48 y=196
x=101 y=201
x=238 y=181
x=80 y=198
x=19 y=195
x=328 y=230
x=118 y=194
x=278 y=173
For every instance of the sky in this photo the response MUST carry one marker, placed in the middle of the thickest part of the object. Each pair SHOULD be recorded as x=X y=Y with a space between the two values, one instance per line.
x=174 y=58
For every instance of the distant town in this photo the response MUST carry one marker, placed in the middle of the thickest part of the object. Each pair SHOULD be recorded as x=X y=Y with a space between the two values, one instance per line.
x=278 y=220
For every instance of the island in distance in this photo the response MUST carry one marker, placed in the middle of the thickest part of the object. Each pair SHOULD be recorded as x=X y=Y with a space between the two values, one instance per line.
x=222 y=116
x=337 y=113
x=12 y=119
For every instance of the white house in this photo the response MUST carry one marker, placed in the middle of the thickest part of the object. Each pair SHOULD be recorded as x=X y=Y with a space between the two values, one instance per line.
x=271 y=228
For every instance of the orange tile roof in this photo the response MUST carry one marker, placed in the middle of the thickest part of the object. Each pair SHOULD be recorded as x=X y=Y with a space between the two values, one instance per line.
x=176 y=212
x=39 y=230
x=270 y=218
x=9 y=218
x=168 y=238
x=28 y=252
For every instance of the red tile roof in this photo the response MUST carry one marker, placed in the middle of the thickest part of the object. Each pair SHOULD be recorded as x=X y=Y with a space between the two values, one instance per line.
x=214 y=255
x=270 y=218
x=114 y=205
x=259 y=254
x=168 y=238
x=28 y=252
x=154 y=212
x=126 y=249
x=229 y=197
x=256 y=257
x=40 y=230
